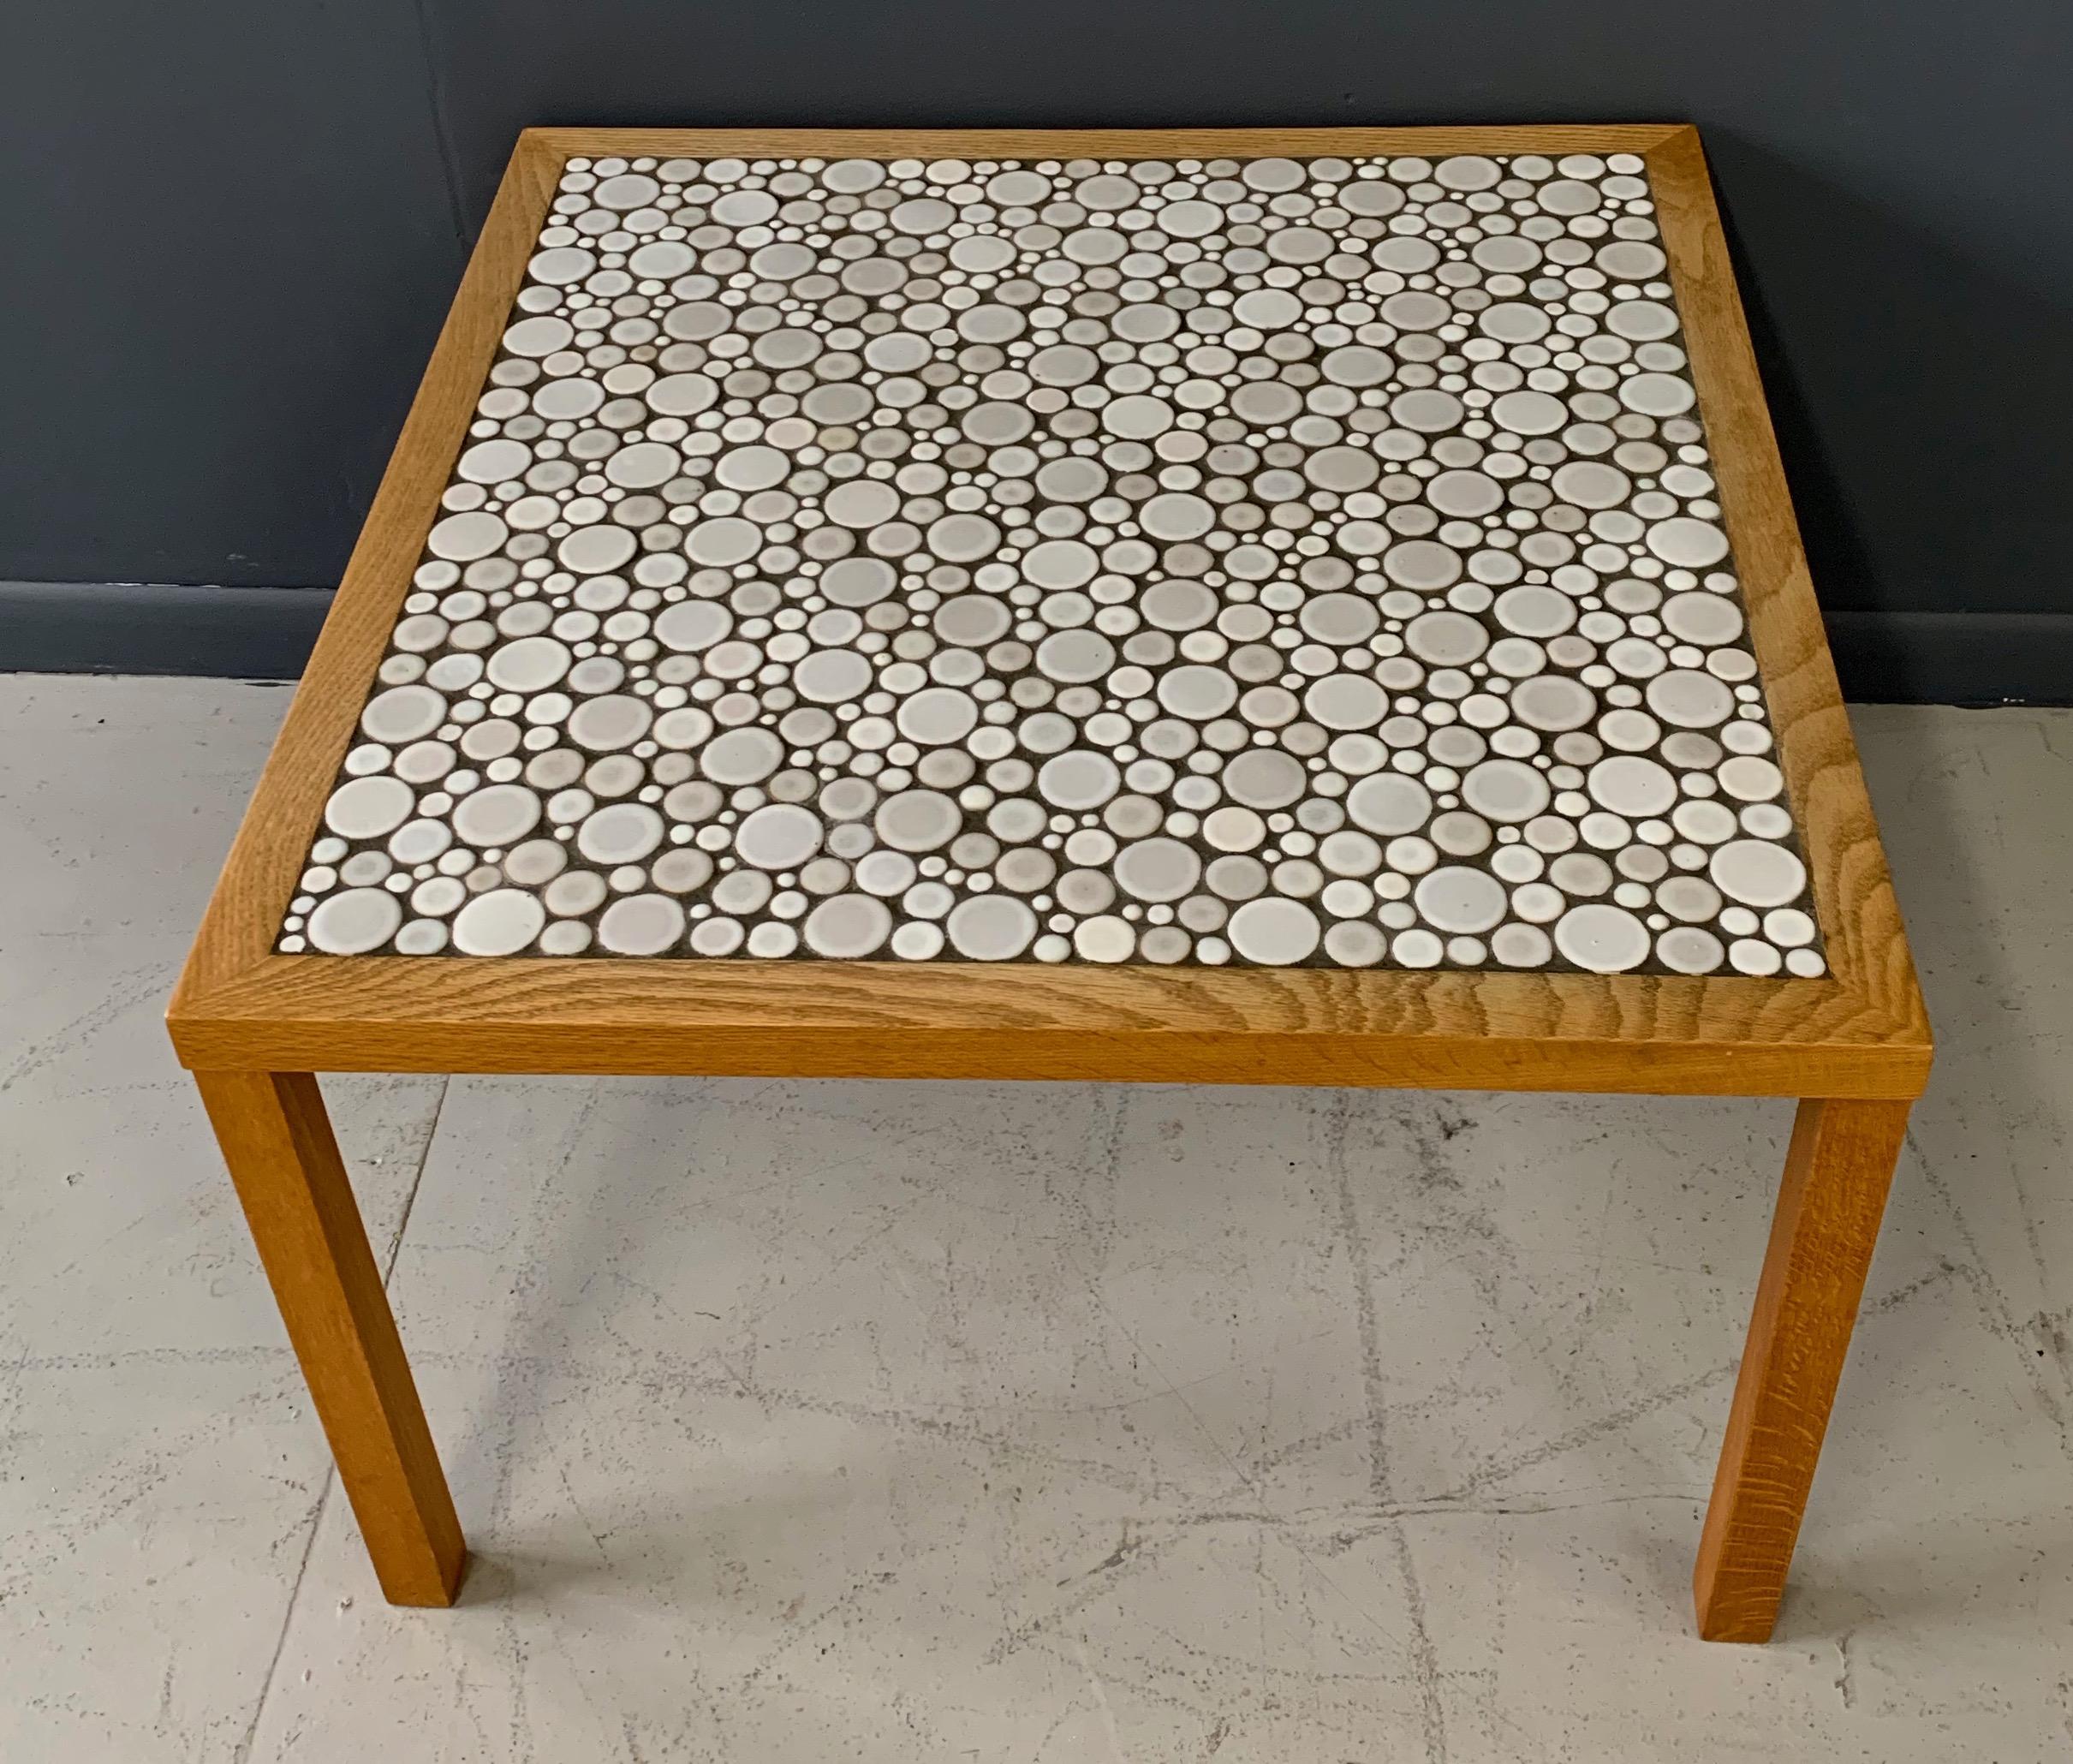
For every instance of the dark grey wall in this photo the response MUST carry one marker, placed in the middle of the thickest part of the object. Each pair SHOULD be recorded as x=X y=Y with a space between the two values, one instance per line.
x=228 y=243
x=233 y=227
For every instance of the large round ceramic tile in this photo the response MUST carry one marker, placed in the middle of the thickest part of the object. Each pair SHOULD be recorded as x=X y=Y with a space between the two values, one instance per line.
x=1275 y=932
x=499 y=923
x=1604 y=939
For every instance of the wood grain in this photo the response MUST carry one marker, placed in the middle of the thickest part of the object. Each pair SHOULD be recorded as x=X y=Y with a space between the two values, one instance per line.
x=814 y=1019
x=1863 y=1032
x=1866 y=945
x=276 y=1139
x=1109 y=143
x=1837 y=1173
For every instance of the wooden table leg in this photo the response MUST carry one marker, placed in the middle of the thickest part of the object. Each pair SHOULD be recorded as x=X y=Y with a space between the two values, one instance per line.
x=1829 y=1205
x=276 y=1139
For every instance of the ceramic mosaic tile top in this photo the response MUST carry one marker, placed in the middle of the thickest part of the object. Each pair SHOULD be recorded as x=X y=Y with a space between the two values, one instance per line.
x=1228 y=561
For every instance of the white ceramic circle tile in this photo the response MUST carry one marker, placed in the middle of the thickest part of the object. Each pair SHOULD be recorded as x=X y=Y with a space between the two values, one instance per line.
x=1262 y=561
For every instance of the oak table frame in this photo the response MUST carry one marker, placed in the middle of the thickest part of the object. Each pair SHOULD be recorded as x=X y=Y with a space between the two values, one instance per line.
x=254 y=1026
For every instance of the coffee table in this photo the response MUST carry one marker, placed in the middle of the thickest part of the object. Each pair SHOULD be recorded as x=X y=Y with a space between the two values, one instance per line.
x=1289 y=606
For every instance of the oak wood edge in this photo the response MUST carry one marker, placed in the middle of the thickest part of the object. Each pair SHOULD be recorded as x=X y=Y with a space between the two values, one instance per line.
x=562 y=140
x=1866 y=941
x=1274 y=1027
x=1154 y=1057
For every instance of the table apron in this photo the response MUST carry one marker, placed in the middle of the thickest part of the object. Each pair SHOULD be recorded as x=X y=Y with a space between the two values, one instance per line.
x=1156 y=1057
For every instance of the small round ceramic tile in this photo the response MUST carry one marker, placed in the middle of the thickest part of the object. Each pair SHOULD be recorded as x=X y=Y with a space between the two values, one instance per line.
x=1264 y=563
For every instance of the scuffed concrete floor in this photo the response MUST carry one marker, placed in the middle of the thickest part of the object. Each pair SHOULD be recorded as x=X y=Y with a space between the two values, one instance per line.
x=803 y=1421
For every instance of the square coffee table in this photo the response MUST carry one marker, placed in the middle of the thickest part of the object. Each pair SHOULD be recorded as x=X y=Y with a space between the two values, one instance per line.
x=1291 y=606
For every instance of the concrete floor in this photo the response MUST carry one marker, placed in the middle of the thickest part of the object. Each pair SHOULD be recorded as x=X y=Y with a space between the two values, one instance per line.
x=800 y=1421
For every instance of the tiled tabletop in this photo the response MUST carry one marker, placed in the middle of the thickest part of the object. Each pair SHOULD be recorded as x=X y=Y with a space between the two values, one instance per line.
x=1254 y=562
